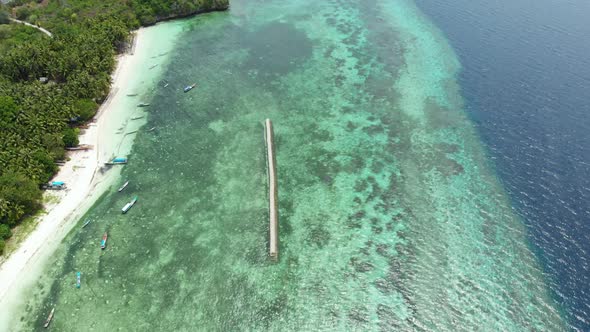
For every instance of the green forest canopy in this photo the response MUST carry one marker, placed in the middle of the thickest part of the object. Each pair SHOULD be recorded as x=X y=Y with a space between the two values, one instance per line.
x=37 y=121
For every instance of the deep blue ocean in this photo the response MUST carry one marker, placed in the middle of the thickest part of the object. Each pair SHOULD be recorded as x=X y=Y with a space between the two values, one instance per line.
x=526 y=82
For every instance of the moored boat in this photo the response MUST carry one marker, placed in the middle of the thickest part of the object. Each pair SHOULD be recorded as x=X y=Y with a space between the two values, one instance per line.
x=103 y=243
x=190 y=87
x=117 y=161
x=49 y=318
x=129 y=205
x=123 y=186
x=143 y=104
x=78 y=277
x=86 y=223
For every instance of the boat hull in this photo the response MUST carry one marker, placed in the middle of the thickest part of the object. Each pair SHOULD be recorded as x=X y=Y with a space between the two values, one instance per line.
x=123 y=186
x=49 y=318
x=103 y=243
x=129 y=205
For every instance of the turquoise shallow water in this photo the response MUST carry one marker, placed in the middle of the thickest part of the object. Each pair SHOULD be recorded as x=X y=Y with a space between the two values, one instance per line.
x=390 y=217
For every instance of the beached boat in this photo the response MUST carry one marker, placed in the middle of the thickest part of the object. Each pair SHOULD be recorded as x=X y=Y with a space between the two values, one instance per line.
x=103 y=242
x=49 y=318
x=55 y=185
x=81 y=147
x=123 y=186
x=78 y=277
x=129 y=205
x=143 y=104
x=117 y=161
x=190 y=87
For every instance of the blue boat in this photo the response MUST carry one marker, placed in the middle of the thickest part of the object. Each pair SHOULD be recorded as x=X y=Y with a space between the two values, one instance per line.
x=129 y=205
x=56 y=185
x=78 y=276
x=117 y=161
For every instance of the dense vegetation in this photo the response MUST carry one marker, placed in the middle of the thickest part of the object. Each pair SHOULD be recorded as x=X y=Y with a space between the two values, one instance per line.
x=38 y=120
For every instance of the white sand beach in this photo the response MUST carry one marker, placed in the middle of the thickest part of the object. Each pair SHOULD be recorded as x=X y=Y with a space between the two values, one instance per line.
x=111 y=134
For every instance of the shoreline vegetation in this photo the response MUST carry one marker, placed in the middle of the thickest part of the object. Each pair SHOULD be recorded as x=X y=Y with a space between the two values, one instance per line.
x=84 y=171
x=52 y=88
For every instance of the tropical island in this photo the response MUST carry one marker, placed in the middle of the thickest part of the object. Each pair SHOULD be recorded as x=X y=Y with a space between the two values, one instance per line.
x=51 y=85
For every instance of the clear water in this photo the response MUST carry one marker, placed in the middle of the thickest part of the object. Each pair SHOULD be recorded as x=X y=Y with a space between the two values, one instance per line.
x=525 y=78
x=390 y=215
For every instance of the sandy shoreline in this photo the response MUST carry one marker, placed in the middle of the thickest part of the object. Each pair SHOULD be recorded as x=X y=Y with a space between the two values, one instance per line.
x=111 y=135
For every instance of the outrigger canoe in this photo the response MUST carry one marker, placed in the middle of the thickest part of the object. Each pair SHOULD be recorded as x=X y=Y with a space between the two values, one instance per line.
x=103 y=243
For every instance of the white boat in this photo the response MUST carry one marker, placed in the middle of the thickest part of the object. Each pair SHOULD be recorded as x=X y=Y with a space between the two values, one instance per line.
x=49 y=318
x=129 y=205
x=117 y=161
x=123 y=186
x=189 y=87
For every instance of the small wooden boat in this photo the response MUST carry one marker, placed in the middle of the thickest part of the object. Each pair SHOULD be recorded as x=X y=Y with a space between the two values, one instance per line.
x=103 y=243
x=78 y=277
x=129 y=205
x=143 y=104
x=189 y=87
x=81 y=147
x=123 y=186
x=117 y=161
x=55 y=185
x=86 y=223
x=49 y=318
